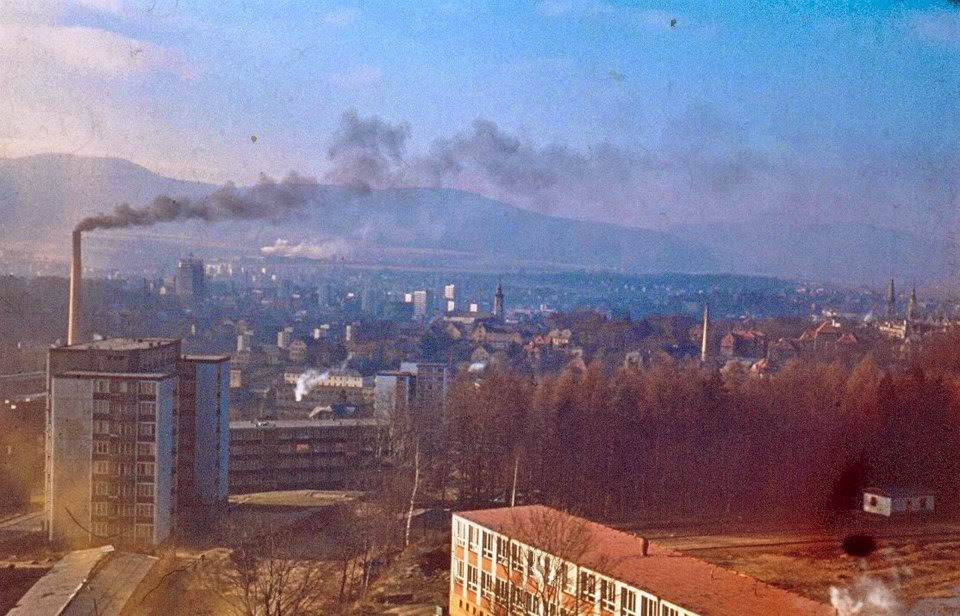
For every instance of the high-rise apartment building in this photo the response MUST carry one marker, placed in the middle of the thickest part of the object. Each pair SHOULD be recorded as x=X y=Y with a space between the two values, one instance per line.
x=422 y=304
x=190 y=282
x=136 y=436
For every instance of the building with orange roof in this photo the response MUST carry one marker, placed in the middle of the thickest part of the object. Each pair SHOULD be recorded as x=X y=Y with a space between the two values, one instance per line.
x=538 y=561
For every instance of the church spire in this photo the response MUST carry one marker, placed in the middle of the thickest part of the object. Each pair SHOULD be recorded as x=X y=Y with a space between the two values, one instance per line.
x=498 y=303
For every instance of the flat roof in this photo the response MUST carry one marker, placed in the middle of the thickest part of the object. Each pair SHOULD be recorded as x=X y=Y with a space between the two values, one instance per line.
x=89 y=374
x=121 y=344
x=687 y=582
x=303 y=423
x=52 y=593
x=207 y=359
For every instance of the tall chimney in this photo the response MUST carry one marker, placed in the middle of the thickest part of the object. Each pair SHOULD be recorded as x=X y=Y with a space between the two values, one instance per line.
x=76 y=274
x=706 y=327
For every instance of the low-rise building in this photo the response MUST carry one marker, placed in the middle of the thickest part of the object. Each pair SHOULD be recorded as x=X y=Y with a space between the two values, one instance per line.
x=892 y=500
x=300 y=454
x=539 y=561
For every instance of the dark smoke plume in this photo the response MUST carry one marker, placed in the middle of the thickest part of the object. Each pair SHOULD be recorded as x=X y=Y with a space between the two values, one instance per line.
x=267 y=200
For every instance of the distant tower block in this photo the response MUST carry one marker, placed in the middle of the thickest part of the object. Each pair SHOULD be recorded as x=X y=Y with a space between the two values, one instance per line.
x=704 y=335
x=498 y=303
x=891 y=300
x=912 y=305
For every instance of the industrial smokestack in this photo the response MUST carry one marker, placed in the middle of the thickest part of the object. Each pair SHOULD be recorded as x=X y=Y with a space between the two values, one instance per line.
x=76 y=274
x=706 y=328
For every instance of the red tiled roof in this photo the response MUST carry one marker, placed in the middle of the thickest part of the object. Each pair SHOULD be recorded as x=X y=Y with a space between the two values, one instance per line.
x=685 y=581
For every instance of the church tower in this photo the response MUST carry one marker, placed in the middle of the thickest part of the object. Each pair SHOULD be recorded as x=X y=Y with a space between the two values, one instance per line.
x=498 y=303
x=912 y=305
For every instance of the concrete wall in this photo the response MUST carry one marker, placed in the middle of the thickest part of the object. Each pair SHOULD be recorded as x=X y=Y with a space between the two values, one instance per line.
x=163 y=499
x=70 y=460
x=212 y=459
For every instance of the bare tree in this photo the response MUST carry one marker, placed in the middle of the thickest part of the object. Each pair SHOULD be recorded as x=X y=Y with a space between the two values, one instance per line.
x=546 y=551
x=266 y=576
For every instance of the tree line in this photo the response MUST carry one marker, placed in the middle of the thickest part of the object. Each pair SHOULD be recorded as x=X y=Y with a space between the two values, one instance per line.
x=683 y=439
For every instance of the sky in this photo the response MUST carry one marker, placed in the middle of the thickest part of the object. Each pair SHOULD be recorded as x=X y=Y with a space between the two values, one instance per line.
x=642 y=113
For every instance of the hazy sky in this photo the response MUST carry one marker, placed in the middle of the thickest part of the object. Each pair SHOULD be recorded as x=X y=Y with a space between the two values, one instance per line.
x=646 y=113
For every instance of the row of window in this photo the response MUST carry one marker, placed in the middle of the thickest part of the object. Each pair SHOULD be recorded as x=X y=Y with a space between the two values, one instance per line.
x=106 y=427
x=122 y=490
x=116 y=407
x=122 y=386
x=124 y=510
x=123 y=469
x=126 y=448
x=557 y=574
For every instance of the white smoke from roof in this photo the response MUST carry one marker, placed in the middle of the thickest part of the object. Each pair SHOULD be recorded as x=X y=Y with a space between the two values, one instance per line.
x=307 y=381
x=868 y=596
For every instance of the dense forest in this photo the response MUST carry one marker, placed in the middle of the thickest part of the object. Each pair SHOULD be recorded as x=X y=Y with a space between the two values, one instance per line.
x=681 y=439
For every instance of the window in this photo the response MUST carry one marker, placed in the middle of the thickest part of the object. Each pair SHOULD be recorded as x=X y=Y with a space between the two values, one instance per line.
x=147 y=429
x=101 y=426
x=472 y=581
x=145 y=469
x=148 y=409
x=568 y=578
x=100 y=488
x=516 y=554
x=146 y=449
x=101 y=447
x=146 y=489
x=144 y=511
x=487 y=541
x=628 y=603
x=458 y=570
x=648 y=606
x=486 y=585
x=503 y=550
x=460 y=533
x=533 y=604
x=101 y=509
x=608 y=594
x=472 y=533
x=588 y=585
x=148 y=388
x=501 y=590
x=101 y=467
x=873 y=501
x=101 y=407
x=101 y=386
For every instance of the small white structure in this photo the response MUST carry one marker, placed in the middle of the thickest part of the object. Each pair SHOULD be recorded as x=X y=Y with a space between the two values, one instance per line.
x=890 y=501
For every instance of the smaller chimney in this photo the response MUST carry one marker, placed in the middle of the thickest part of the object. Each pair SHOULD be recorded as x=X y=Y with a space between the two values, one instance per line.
x=706 y=328
x=644 y=546
x=76 y=292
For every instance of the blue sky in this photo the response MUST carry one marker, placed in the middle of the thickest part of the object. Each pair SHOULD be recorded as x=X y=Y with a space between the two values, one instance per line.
x=807 y=108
